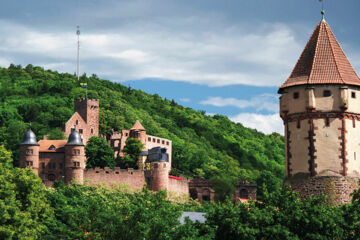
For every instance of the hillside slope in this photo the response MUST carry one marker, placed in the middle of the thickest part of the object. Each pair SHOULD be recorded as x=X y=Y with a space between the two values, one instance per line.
x=204 y=145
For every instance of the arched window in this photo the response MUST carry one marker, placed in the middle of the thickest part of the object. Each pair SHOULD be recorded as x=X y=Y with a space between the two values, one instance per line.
x=51 y=177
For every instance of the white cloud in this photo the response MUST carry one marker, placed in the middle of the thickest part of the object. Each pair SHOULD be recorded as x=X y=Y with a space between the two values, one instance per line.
x=215 y=57
x=186 y=100
x=4 y=62
x=265 y=123
x=266 y=102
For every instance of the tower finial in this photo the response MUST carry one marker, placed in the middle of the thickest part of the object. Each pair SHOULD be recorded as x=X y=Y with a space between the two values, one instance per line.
x=322 y=10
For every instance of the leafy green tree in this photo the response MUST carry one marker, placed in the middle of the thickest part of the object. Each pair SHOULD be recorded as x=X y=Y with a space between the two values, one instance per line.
x=24 y=209
x=56 y=134
x=99 y=153
x=267 y=182
x=132 y=149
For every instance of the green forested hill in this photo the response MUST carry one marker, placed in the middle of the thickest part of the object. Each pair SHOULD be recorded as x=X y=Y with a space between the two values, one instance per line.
x=203 y=145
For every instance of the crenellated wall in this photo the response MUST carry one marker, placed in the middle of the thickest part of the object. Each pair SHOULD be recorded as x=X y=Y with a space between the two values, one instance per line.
x=131 y=177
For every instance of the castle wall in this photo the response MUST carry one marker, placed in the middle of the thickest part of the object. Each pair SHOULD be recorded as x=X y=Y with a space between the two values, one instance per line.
x=330 y=103
x=336 y=188
x=131 y=177
x=296 y=105
x=327 y=145
x=299 y=147
x=179 y=186
x=352 y=147
x=52 y=166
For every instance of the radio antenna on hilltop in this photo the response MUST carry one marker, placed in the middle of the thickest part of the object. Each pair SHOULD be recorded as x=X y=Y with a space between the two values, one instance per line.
x=322 y=9
x=78 y=53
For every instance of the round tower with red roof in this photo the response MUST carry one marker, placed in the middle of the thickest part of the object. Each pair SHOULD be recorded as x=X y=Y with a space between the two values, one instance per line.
x=320 y=107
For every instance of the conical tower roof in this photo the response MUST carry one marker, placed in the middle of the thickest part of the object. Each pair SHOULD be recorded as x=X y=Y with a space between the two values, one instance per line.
x=322 y=62
x=137 y=126
x=74 y=139
x=29 y=138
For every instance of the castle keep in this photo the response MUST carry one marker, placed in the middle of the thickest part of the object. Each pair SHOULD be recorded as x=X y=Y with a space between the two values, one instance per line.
x=320 y=107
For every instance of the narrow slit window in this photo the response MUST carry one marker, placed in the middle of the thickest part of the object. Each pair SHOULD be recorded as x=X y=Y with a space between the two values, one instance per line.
x=353 y=94
x=327 y=122
x=298 y=123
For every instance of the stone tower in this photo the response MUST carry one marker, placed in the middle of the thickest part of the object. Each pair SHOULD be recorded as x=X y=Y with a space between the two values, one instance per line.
x=74 y=158
x=88 y=109
x=158 y=174
x=29 y=152
x=320 y=107
x=138 y=131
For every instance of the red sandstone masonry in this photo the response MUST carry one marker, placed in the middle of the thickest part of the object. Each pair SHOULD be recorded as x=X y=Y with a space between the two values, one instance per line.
x=131 y=177
x=178 y=186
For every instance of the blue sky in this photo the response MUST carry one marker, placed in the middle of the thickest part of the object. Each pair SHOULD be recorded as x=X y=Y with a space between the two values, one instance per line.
x=225 y=57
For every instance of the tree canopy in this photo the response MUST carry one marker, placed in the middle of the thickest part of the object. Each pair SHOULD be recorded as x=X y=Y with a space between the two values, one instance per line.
x=99 y=153
x=132 y=150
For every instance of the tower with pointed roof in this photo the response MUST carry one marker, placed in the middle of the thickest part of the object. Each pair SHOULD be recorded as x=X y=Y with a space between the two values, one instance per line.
x=74 y=158
x=29 y=151
x=320 y=107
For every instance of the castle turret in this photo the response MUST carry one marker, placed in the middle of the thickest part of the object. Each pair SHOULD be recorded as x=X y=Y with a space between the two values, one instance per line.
x=139 y=132
x=74 y=158
x=158 y=174
x=320 y=107
x=29 y=151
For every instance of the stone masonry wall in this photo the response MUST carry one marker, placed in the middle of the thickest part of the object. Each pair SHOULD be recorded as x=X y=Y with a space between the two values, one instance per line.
x=336 y=188
x=131 y=177
x=178 y=186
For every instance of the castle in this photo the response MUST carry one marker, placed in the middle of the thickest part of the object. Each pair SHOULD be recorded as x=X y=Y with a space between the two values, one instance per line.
x=320 y=108
x=54 y=160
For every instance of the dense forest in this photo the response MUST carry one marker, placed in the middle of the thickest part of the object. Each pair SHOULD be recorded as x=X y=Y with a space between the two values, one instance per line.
x=29 y=210
x=203 y=145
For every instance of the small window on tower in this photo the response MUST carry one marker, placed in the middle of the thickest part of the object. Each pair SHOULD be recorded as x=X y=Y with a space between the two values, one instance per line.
x=29 y=152
x=296 y=95
x=80 y=131
x=327 y=122
x=298 y=123
x=327 y=93
x=77 y=122
x=353 y=94
x=149 y=139
x=126 y=134
x=92 y=131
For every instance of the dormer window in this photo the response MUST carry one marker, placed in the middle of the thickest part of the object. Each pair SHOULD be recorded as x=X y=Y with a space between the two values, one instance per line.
x=52 y=147
x=327 y=93
x=296 y=95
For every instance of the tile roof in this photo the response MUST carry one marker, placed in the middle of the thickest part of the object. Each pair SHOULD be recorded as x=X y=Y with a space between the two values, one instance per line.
x=322 y=62
x=137 y=126
x=46 y=144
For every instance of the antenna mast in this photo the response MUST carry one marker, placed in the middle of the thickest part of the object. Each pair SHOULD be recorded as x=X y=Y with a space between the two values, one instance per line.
x=322 y=10
x=78 y=53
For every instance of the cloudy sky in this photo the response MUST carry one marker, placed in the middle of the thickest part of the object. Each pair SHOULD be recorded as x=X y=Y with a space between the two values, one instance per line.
x=225 y=57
